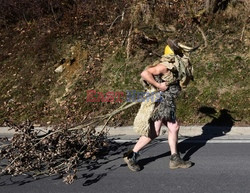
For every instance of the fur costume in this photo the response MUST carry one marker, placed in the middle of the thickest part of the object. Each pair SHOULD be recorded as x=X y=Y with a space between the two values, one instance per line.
x=163 y=105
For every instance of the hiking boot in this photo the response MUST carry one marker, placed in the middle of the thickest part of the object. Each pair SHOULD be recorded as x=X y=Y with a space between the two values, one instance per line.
x=130 y=159
x=177 y=162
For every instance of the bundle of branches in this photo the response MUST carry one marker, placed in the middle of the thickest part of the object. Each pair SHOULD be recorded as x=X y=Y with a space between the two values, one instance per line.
x=60 y=150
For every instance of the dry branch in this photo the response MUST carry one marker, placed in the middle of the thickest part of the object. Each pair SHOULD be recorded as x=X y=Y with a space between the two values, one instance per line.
x=203 y=36
x=60 y=151
x=242 y=32
x=190 y=10
x=129 y=44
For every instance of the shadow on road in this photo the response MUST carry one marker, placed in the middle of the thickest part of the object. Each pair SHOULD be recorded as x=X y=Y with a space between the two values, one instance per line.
x=88 y=172
x=219 y=126
x=93 y=171
x=91 y=175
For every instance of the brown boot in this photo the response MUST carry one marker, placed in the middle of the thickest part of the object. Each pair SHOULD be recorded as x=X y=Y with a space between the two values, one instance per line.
x=177 y=162
x=130 y=159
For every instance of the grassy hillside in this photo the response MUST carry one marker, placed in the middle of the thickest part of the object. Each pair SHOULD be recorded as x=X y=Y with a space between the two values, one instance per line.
x=53 y=52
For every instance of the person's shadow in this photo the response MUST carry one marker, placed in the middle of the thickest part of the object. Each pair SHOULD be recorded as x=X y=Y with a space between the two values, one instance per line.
x=218 y=126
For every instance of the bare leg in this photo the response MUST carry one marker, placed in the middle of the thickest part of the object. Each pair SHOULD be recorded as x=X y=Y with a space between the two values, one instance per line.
x=175 y=159
x=173 y=130
x=143 y=140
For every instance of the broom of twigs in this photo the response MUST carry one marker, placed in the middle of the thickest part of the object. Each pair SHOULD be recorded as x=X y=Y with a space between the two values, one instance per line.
x=61 y=150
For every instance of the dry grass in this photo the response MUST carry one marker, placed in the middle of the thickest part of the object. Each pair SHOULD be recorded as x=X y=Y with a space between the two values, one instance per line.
x=34 y=49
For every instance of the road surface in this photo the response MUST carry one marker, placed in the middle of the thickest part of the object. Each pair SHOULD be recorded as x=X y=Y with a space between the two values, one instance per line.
x=219 y=167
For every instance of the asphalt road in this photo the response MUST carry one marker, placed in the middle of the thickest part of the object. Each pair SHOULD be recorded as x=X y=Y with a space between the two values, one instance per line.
x=219 y=167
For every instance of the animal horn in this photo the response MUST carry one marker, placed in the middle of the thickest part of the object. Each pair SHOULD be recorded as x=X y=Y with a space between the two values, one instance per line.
x=187 y=48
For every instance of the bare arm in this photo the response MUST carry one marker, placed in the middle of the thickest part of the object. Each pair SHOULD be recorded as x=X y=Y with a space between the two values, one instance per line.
x=156 y=70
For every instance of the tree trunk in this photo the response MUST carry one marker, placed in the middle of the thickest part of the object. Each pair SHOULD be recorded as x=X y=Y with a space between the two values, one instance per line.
x=212 y=6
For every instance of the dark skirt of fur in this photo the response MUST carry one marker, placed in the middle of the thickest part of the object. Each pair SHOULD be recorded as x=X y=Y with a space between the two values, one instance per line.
x=165 y=109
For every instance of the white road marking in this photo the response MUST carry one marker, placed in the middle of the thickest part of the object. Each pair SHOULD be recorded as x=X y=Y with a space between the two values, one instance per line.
x=193 y=141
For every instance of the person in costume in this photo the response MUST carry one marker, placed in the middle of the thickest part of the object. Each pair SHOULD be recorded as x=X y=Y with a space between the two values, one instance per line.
x=164 y=79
